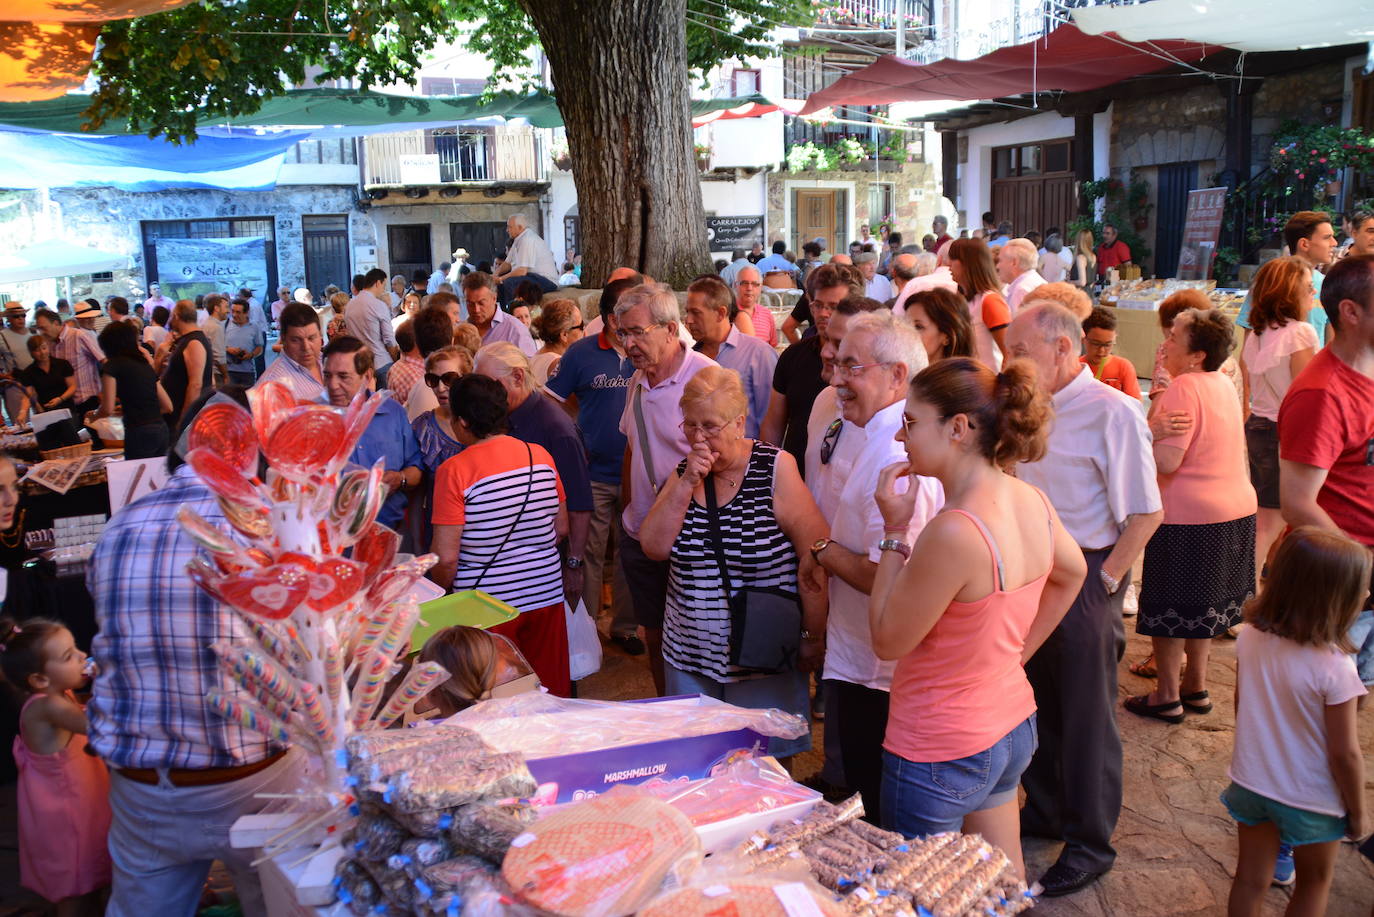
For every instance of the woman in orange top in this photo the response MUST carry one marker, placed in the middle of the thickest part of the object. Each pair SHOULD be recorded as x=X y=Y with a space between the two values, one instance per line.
x=983 y=589
x=971 y=265
x=1200 y=565
x=1099 y=337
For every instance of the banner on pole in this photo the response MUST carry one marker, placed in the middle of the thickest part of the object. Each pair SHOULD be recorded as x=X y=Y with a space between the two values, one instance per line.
x=1201 y=230
x=189 y=267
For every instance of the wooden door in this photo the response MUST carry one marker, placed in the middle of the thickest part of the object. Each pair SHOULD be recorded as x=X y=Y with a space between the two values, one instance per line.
x=814 y=215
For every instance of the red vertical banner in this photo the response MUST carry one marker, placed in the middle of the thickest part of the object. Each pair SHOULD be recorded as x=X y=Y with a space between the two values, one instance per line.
x=1201 y=230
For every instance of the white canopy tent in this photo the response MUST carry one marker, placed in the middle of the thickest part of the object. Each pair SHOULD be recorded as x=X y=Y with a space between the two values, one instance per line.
x=56 y=258
x=1241 y=24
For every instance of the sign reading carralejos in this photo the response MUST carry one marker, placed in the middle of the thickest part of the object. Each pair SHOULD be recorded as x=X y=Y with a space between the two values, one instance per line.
x=186 y=267
x=725 y=233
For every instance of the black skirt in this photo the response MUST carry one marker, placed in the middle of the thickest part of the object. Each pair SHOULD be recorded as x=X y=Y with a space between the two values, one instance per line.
x=1196 y=579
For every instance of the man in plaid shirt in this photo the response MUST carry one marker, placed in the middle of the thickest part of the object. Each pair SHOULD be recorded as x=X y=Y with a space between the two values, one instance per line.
x=78 y=347
x=180 y=774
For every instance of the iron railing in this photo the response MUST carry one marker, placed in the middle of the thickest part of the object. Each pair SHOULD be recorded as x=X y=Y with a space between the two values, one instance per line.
x=463 y=155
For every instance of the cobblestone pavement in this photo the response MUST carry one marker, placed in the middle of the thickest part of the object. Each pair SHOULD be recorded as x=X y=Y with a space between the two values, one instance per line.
x=1176 y=845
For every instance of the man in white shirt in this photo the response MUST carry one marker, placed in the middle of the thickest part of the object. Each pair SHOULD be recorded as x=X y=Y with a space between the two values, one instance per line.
x=368 y=318
x=529 y=258
x=1016 y=263
x=647 y=319
x=875 y=363
x=298 y=366
x=930 y=275
x=876 y=286
x=1099 y=474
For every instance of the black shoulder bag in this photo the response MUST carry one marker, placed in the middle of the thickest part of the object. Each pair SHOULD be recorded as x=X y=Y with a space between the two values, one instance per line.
x=765 y=623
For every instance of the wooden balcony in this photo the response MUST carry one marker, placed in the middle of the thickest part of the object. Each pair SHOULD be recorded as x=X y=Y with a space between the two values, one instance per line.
x=452 y=156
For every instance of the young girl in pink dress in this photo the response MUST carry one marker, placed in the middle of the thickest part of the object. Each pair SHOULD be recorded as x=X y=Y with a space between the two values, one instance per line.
x=64 y=806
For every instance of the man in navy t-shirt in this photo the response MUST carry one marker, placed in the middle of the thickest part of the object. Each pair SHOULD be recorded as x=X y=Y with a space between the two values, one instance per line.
x=591 y=382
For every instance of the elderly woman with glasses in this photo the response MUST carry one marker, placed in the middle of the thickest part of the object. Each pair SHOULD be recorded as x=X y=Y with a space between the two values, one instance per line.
x=734 y=521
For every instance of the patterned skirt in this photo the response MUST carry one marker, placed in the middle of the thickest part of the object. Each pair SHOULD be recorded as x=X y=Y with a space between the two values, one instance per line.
x=1196 y=579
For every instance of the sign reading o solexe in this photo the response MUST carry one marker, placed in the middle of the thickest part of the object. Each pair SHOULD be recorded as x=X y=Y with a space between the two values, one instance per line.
x=189 y=267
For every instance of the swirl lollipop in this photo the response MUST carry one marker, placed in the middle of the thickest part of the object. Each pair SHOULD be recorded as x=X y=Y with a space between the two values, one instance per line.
x=227 y=431
x=306 y=441
x=376 y=549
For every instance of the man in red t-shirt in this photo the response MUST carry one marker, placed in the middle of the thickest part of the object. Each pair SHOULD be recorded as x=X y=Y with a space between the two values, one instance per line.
x=1112 y=252
x=1326 y=428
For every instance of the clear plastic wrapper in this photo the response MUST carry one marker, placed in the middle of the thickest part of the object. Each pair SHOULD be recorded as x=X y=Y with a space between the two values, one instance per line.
x=487 y=830
x=430 y=823
x=466 y=886
x=355 y=887
x=541 y=725
x=746 y=787
x=417 y=853
x=453 y=781
x=378 y=756
x=604 y=857
x=397 y=886
x=727 y=888
x=375 y=836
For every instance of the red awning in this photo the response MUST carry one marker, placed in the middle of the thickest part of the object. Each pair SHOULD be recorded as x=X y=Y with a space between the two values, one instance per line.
x=1066 y=59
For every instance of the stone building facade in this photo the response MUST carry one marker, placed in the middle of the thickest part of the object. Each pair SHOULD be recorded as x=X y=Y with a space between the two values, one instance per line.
x=910 y=189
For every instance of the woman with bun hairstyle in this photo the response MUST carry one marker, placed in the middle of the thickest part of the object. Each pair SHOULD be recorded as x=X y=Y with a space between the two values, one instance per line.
x=559 y=325
x=986 y=582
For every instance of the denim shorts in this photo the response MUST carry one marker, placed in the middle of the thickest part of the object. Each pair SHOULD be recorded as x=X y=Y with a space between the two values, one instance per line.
x=1362 y=635
x=1296 y=826
x=920 y=799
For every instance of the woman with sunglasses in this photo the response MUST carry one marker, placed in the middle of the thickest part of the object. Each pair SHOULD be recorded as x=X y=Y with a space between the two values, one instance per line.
x=559 y=325
x=434 y=429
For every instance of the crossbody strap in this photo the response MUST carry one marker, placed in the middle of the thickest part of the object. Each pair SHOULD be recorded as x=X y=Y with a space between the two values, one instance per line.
x=645 y=453
x=529 y=489
x=717 y=539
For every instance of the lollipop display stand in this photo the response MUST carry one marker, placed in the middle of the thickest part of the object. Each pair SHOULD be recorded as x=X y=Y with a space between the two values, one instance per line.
x=324 y=597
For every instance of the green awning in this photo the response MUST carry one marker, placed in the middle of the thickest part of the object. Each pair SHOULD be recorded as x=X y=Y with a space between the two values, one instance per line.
x=345 y=108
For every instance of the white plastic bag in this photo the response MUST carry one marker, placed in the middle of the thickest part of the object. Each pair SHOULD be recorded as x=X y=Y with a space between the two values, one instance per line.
x=584 y=643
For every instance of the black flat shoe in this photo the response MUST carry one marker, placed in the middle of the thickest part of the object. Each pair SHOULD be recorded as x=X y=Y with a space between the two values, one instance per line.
x=1197 y=702
x=1065 y=880
x=1140 y=707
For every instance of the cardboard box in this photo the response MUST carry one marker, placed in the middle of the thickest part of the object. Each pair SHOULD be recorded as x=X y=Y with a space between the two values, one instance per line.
x=583 y=775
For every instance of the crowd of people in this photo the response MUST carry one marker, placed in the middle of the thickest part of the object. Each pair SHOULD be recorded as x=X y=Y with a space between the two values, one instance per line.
x=921 y=517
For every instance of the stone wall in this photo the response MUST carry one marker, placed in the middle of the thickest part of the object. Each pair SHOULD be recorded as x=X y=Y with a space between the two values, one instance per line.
x=916 y=198
x=440 y=215
x=1296 y=96
x=110 y=220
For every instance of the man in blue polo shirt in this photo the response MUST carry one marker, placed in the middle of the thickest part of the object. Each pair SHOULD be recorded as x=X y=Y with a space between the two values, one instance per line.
x=347 y=371
x=591 y=382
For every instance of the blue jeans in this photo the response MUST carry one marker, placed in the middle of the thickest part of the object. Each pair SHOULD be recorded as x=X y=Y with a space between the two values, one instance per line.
x=921 y=799
x=1362 y=635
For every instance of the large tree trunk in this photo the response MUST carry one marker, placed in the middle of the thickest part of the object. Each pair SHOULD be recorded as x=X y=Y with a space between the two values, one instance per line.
x=620 y=74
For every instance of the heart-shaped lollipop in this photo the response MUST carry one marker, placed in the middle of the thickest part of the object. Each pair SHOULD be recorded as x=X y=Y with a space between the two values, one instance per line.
x=273 y=593
x=271 y=402
x=223 y=478
x=305 y=442
x=395 y=581
x=333 y=580
x=227 y=431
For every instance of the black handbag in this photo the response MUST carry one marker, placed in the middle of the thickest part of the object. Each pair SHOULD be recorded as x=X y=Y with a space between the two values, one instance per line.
x=765 y=622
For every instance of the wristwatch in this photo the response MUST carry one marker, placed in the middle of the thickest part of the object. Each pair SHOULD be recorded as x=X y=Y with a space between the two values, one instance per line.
x=818 y=547
x=1111 y=582
x=573 y=563
x=893 y=544
x=807 y=635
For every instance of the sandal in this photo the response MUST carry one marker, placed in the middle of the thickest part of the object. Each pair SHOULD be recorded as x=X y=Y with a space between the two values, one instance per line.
x=1140 y=707
x=1197 y=702
x=1145 y=668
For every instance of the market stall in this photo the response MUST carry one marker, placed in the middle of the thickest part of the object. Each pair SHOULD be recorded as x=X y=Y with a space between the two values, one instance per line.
x=518 y=804
x=1136 y=302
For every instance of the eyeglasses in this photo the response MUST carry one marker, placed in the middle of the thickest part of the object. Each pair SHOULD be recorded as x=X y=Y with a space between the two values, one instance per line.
x=578 y=328
x=624 y=334
x=708 y=430
x=1099 y=345
x=832 y=438
x=853 y=369
x=433 y=379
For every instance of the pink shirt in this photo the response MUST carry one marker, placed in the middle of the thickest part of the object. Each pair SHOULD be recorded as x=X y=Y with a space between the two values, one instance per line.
x=963 y=687
x=765 y=326
x=1213 y=482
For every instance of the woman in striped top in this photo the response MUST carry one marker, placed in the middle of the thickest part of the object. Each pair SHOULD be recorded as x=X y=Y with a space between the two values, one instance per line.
x=499 y=512
x=767 y=519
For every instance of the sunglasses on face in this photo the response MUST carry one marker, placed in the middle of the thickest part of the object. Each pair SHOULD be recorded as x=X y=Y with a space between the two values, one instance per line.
x=433 y=379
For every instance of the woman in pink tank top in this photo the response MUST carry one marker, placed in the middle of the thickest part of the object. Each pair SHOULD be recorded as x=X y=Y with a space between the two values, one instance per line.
x=988 y=579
